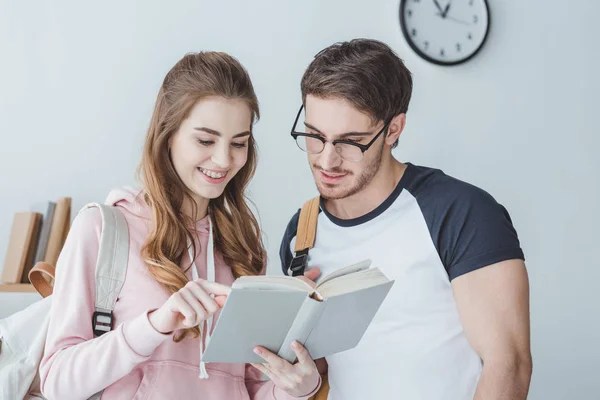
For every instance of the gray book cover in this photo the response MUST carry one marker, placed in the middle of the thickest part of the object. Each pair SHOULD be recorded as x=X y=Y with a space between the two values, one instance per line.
x=45 y=233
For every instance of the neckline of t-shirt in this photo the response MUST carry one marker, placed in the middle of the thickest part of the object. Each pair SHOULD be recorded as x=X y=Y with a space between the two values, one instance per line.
x=345 y=223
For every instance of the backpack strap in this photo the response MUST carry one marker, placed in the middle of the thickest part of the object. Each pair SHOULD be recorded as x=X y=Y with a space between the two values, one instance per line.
x=40 y=276
x=111 y=266
x=305 y=236
x=305 y=240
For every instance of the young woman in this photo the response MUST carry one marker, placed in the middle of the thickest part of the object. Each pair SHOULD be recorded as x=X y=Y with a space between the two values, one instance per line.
x=197 y=161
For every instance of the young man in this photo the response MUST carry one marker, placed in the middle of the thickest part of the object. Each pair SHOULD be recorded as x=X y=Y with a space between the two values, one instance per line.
x=455 y=325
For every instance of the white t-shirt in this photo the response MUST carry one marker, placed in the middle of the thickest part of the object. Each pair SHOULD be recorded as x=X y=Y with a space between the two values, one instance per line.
x=430 y=230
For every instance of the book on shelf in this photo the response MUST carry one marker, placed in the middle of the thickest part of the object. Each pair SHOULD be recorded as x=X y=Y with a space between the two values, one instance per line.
x=58 y=230
x=45 y=232
x=35 y=237
x=20 y=253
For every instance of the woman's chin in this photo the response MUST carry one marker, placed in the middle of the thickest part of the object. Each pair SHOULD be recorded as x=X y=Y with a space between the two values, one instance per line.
x=209 y=193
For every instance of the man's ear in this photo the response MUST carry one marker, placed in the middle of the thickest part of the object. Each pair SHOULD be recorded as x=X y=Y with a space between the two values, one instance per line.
x=395 y=129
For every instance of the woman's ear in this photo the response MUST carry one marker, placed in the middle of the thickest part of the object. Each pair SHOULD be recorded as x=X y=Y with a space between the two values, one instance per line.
x=395 y=129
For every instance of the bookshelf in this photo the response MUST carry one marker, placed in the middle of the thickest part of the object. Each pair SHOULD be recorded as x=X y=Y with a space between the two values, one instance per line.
x=34 y=238
x=16 y=288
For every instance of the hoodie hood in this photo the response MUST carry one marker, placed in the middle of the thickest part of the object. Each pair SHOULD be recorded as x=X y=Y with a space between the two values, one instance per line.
x=132 y=200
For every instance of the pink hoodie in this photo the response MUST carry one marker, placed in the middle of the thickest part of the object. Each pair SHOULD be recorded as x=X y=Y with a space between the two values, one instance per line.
x=133 y=361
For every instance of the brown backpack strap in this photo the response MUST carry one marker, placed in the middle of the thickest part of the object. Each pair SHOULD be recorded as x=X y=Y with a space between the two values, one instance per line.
x=305 y=240
x=305 y=236
x=40 y=276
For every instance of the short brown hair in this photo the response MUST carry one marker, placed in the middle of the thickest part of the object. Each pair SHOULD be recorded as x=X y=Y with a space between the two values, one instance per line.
x=365 y=72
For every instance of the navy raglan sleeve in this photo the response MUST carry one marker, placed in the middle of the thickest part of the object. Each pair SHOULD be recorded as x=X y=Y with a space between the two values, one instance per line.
x=469 y=228
x=285 y=253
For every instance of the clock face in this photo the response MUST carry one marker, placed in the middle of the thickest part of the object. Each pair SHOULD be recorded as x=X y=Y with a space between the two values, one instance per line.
x=445 y=32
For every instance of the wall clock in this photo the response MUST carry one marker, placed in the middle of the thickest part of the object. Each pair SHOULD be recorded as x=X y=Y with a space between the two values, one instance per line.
x=445 y=32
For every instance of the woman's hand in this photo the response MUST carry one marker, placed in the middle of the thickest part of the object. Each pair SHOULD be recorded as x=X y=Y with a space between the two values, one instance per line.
x=298 y=379
x=190 y=306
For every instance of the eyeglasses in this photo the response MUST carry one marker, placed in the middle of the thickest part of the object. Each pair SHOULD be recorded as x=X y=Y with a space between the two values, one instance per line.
x=346 y=149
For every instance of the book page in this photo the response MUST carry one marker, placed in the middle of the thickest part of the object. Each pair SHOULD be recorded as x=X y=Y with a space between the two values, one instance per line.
x=345 y=271
x=363 y=279
x=265 y=282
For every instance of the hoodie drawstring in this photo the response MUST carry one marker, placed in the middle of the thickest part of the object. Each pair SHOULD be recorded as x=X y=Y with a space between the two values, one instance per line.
x=205 y=326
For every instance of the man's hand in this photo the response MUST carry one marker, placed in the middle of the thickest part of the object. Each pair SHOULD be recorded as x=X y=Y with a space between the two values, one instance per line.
x=310 y=276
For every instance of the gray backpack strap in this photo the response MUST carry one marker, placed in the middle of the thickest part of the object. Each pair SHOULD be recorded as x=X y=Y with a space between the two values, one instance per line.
x=111 y=266
x=111 y=269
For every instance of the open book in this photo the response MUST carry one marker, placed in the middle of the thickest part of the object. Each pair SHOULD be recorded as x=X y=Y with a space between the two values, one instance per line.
x=273 y=311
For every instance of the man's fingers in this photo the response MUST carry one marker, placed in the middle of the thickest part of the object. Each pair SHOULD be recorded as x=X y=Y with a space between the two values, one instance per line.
x=313 y=274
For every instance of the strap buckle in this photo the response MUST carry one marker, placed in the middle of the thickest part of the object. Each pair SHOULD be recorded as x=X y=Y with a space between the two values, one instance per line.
x=102 y=322
x=298 y=263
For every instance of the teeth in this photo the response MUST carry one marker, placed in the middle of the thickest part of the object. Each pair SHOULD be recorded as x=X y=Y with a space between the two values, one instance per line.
x=214 y=175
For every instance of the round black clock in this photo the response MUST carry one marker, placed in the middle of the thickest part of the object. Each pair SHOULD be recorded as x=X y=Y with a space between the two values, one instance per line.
x=445 y=32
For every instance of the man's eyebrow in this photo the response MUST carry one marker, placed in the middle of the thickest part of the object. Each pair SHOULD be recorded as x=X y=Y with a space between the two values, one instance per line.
x=354 y=134
x=217 y=133
x=309 y=126
x=343 y=135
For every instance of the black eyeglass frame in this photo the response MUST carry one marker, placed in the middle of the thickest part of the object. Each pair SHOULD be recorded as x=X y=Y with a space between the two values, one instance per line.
x=362 y=147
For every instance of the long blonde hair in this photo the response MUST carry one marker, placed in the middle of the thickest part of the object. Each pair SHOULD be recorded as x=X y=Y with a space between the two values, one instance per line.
x=236 y=231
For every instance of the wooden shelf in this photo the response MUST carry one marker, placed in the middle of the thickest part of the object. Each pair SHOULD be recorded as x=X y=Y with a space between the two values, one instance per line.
x=17 y=287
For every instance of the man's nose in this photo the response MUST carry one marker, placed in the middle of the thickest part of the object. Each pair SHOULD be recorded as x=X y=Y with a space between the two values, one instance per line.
x=329 y=158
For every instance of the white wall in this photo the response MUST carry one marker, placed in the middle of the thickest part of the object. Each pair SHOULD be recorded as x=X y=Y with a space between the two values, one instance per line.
x=78 y=81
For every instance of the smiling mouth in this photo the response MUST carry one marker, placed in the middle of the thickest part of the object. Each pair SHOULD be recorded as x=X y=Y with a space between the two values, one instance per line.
x=212 y=174
x=332 y=176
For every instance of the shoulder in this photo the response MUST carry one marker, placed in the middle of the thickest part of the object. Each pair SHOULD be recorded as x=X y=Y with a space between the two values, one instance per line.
x=468 y=227
x=439 y=194
x=292 y=225
x=87 y=223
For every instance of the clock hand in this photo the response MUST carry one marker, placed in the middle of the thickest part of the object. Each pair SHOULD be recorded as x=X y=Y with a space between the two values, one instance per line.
x=460 y=21
x=439 y=8
x=445 y=12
